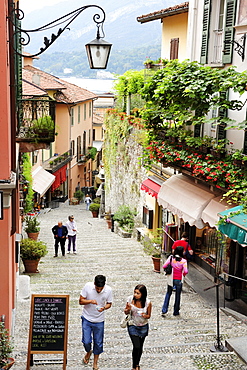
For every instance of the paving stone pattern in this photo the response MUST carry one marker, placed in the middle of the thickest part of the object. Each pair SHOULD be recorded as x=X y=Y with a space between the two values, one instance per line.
x=174 y=343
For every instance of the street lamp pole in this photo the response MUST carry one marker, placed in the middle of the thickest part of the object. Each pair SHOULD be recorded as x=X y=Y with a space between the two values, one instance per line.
x=98 y=50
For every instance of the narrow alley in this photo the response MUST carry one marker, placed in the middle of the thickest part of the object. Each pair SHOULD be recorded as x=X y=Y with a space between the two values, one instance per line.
x=174 y=343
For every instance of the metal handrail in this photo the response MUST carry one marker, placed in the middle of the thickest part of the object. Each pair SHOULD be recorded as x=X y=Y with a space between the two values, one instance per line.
x=235 y=277
x=169 y=235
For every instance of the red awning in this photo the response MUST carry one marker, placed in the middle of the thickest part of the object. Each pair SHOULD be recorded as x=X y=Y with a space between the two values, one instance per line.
x=151 y=187
x=60 y=178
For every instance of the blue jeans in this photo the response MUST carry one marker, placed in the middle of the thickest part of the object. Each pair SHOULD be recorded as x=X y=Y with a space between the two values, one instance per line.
x=72 y=239
x=178 y=284
x=95 y=331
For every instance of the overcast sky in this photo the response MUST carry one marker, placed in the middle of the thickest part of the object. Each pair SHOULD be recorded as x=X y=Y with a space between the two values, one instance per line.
x=29 y=5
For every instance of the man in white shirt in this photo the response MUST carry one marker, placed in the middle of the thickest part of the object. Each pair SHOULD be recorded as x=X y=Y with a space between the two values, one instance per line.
x=71 y=226
x=96 y=297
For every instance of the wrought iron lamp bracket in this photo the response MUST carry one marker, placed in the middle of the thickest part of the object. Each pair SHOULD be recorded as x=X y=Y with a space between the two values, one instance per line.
x=239 y=46
x=25 y=38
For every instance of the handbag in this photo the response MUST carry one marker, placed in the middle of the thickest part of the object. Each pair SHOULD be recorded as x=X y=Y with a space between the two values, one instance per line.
x=125 y=321
x=168 y=268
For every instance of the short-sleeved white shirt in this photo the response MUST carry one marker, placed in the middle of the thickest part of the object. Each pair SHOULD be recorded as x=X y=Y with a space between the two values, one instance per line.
x=90 y=311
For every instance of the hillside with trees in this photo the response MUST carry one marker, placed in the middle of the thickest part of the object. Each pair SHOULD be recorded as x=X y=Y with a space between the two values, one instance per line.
x=77 y=63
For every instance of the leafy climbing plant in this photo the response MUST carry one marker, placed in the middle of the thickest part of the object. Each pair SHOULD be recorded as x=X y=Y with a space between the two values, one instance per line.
x=27 y=173
x=184 y=92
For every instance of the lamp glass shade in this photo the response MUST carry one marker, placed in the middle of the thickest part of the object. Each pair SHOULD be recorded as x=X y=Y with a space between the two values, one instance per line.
x=98 y=52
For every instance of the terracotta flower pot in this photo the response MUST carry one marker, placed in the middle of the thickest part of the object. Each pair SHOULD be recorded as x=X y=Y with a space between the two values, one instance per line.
x=33 y=236
x=95 y=214
x=10 y=363
x=156 y=263
x=109 y=223
x=31 y=266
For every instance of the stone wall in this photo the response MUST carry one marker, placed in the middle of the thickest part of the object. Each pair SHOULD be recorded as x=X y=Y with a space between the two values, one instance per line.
x=126 y=176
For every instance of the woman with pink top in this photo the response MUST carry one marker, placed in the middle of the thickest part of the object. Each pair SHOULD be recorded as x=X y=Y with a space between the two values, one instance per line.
x=179 y=270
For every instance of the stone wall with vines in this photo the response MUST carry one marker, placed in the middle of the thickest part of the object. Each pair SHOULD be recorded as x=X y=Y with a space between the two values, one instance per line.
x=124 y=173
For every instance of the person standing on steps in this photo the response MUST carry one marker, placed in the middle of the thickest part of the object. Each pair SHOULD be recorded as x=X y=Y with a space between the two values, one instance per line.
x=139 y=307
x=60 y=233
x=96 y=297
x=175 y=279
x=183 y=242
x=71 y=226
x=88 y=200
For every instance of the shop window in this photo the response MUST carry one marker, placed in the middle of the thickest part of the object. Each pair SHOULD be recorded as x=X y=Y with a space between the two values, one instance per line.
x=207 y=246
x=147 y=217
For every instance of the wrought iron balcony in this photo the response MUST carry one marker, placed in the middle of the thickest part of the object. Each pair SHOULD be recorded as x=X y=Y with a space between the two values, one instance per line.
x=82 y=158
x=36 y=121
x=58 y=161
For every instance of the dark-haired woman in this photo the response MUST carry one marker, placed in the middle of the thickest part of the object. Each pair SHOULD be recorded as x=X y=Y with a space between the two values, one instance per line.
x=179 y=270
x=140 y=307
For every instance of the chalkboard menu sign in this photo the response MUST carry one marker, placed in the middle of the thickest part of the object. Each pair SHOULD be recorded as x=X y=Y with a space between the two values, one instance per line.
x=48 y=324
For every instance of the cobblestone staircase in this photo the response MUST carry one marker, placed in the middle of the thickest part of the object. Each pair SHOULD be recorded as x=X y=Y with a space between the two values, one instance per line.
x=174 y=343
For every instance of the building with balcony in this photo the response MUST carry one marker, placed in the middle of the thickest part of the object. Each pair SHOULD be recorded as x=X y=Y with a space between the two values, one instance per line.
x=67 y=155
x=215 y=37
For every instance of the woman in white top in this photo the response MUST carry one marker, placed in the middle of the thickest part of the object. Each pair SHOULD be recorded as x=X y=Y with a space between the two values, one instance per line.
x=140 y=307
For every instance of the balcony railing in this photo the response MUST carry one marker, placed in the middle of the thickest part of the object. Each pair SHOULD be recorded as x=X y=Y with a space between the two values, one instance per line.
x=36 y=121
x=56 y=162
x=82 y=158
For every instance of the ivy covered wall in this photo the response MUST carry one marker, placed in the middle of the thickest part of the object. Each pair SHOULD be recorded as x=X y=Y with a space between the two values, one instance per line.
x=124 y=173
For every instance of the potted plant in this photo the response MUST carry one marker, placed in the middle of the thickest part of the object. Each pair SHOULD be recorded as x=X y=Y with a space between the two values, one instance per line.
x=43 y=127
x=108 y=218
x=153 y=245
x=237 y=157
x=5 y=348
x=31 y=251
x=148 y=63
x=32 y=227
x=78 y=194
x=219 y=148
x=126 y=220
x=92 y=153
x=94 y=208
x=207 y=142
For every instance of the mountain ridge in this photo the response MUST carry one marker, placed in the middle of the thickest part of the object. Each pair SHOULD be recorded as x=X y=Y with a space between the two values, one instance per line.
x=132 y=42
x=121 y=26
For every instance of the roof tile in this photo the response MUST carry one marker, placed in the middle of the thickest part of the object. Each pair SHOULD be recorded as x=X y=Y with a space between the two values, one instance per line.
x=172 y=10
x=66 y=91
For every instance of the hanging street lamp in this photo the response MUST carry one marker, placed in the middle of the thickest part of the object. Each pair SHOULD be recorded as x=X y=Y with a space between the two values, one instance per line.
x=98 y=50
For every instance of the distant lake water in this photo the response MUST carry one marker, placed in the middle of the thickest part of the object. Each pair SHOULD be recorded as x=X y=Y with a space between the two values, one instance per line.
x=95 y=85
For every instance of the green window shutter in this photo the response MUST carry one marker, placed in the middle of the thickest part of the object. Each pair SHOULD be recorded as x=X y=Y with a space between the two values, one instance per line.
x=229 y=30
x=221 y=132
x=205 y=31
x=197 y=130
x=245 y=138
